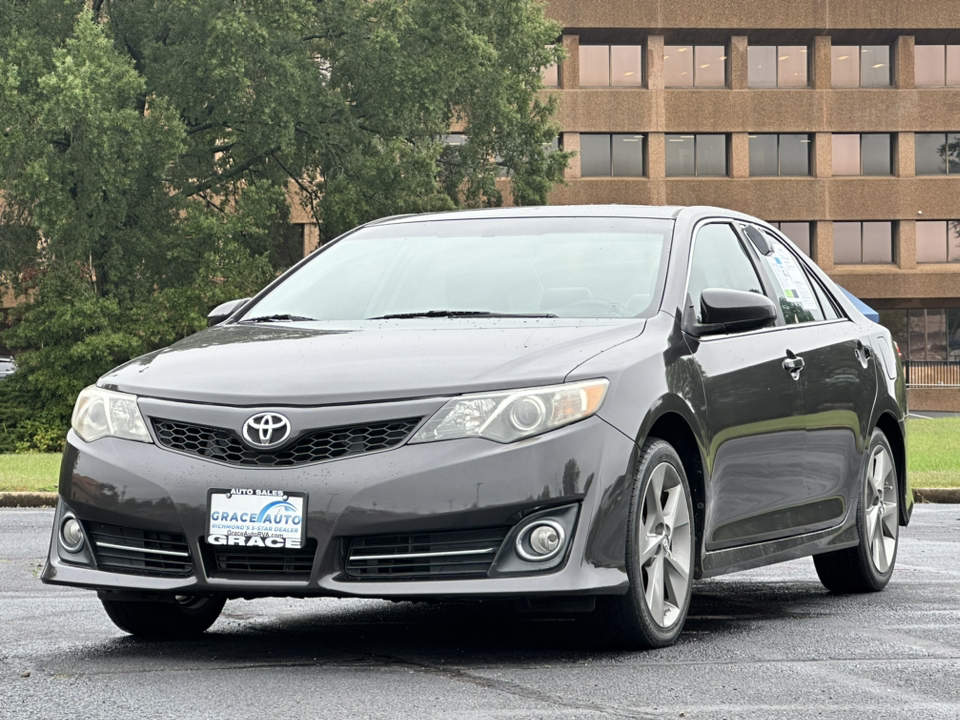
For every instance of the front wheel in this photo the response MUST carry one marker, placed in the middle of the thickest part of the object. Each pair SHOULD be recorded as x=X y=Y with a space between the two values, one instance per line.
x=869 y=566
x=182 y=617
x=659 y=554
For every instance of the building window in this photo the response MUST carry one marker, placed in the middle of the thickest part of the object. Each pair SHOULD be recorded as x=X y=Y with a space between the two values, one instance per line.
x=860 y=65
x=937 y=153
x=924 y=335
x=798 y=232
x=779 y=155
x=937 y=66
x=774 y=66
x=611 y=65
x=867 y=154
x=862 y=243
x=611 y=155
x=696 y=155
x=551 y=74
x=938 y=241
x=702 y=66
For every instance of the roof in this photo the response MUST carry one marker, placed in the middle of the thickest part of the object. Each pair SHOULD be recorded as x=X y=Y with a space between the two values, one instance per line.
x=667 y=212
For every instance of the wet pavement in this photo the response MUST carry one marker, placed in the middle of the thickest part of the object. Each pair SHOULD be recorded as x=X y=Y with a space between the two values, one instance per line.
x=768 y=643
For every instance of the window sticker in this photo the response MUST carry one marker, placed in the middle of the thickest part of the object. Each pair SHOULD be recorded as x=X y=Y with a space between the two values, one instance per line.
x=791 y=278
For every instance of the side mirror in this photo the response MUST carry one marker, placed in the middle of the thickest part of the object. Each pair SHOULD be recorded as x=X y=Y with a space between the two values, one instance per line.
x=224 y=310
x=725 y=310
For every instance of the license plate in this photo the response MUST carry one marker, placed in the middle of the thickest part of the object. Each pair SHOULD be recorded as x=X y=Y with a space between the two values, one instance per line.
x=245 y=517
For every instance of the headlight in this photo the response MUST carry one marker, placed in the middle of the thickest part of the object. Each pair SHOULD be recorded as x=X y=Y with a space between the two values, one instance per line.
x=514 y=414
x=104 y=413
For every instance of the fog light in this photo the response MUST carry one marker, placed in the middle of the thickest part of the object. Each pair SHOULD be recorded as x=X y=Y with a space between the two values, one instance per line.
x=540 y=540
x=71 y=535
x=544 y=540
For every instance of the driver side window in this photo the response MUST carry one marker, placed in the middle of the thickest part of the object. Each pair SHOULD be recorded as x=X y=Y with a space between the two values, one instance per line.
x=719 y=261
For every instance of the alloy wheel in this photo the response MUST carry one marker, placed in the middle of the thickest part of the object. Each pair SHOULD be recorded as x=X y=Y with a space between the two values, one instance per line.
x=666 y=541
x=880 y=506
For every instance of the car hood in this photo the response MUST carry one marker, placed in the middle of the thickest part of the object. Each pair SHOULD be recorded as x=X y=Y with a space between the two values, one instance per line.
x=320 y=364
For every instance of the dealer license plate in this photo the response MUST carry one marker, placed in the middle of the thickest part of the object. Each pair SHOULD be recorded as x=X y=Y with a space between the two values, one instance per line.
x=256 y=518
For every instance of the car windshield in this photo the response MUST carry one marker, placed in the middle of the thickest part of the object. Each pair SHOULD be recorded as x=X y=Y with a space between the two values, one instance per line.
x=530 y=267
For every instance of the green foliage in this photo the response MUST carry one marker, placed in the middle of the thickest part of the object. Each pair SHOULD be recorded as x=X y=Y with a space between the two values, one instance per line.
x=148 y=149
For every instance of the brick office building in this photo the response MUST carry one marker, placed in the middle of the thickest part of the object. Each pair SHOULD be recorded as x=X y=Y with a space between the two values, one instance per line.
x=829 y=118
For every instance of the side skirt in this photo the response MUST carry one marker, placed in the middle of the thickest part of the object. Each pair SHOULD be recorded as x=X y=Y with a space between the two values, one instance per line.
x=720 y=562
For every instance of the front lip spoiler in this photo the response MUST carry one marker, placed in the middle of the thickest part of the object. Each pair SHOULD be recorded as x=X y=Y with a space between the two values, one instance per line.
x=568 y=581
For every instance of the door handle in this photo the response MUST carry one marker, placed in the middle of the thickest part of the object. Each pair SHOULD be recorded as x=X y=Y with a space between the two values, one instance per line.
x=793 y=364
x=863 y=352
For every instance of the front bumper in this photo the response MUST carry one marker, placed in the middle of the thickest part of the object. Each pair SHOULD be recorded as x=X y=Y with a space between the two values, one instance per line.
x=458 y=485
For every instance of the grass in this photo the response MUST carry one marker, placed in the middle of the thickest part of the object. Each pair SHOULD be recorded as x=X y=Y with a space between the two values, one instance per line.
x=934 y=460
x=933 y=452
x=29 y=472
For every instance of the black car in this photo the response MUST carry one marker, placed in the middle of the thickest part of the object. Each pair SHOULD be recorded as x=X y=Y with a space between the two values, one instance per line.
x=575 y=407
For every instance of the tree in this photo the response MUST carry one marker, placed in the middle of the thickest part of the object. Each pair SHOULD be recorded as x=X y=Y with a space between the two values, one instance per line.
x=147 y=149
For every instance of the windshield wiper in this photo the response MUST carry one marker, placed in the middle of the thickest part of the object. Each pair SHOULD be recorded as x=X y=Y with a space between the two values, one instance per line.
x=460 y=314
x=279 y=317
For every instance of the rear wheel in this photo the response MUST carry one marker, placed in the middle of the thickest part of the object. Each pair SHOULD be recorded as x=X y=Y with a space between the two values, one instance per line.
x=869 y=566
x=659 y=554
x=182 y=617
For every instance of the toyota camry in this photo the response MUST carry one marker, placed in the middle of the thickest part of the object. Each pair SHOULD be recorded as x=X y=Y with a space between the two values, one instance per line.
x=573 y=407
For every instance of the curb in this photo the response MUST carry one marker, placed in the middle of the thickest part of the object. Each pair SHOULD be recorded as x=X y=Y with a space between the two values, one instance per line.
x=28 y=499
x=49 y=499
x=936 y=495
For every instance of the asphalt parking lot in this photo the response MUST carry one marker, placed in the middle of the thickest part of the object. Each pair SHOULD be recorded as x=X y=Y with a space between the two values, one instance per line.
x=768 y=643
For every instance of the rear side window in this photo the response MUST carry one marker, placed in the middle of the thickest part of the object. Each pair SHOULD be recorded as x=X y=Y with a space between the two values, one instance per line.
x=720 y=261
x=795 y=291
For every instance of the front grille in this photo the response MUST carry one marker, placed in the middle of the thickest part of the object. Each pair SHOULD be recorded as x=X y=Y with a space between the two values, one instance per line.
x=289 y=563
x=461 y=553
x=139 y=552
x=316 y=446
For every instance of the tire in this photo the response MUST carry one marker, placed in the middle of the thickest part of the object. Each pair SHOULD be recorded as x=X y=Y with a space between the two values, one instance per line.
x=183 y=616
x=869 y=566
x=659 y=554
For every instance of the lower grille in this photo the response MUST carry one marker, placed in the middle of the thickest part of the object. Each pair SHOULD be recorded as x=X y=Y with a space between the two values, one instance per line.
x=289 y=563
x=427 y=556
x=139 y=552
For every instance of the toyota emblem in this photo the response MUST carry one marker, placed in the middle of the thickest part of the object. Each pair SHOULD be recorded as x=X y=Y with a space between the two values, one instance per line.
x=266 y=430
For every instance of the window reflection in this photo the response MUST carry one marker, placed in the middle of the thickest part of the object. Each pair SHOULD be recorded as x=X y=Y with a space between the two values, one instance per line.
x=711 y=63
x=929 y=65
x=845 y=65
x=938 y=241
x=860 y=65
x=696 y=155
x=611 y=155
x=846 y=154
x=694 y=66
x=857 y=243
x=550 y=76
x=594 y=65
x=678 y=65
x=773 y=66
x=867 y=154
x=787 y=154
x=875 y=66
x=936 y=65
x=611 y=65
x=937 y=153
x=798 y=232
x=595 y=155
x=626 y=65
